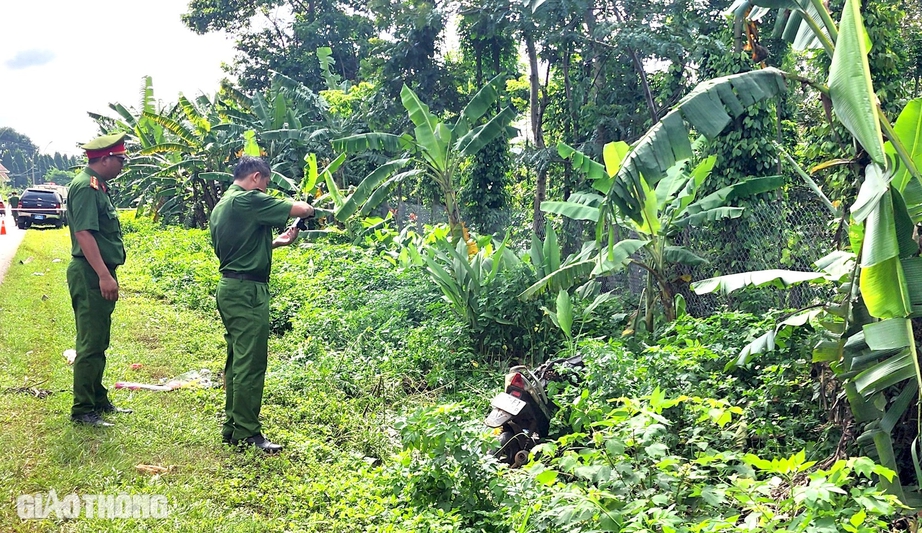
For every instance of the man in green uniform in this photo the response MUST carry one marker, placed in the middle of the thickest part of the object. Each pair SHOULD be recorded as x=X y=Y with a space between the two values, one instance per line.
x=97 y=250
x=14 y=203
x=241 y=234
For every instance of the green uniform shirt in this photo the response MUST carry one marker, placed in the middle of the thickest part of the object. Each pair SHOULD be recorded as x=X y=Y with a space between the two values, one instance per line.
x=241 y=229
x=89 y=208
x=14 y=201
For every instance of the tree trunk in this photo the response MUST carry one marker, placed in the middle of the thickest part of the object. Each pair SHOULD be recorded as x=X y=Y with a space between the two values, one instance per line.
x=536 y=130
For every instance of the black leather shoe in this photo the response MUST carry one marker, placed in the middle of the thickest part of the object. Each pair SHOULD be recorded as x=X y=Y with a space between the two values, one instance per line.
x=90 y=419
x=108 y=409
x=260 y=442
x=227 y=439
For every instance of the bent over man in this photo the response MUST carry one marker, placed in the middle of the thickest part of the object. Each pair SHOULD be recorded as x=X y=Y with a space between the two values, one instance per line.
x=241 y=227
x=97 y=250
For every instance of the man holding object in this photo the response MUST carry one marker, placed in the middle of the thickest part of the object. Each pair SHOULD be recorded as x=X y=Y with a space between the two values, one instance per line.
x=241 y=227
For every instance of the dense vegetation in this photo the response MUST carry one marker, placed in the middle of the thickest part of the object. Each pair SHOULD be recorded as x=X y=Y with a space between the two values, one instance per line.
x=380 y=393
x=478 y=213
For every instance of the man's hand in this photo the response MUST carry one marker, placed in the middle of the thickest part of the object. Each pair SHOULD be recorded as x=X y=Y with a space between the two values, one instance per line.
x=289 y=236
x=109 y=288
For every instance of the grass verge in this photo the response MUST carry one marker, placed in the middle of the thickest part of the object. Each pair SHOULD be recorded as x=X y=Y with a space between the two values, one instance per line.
x=313 y=486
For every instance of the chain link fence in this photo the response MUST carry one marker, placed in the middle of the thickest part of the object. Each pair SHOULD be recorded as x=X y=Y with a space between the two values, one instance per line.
x=789 y=232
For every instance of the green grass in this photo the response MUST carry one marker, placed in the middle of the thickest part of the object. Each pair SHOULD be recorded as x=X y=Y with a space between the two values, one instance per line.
x=315 y=485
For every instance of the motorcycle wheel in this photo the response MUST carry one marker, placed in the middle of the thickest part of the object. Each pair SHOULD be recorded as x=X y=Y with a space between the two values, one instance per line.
x=509 y=446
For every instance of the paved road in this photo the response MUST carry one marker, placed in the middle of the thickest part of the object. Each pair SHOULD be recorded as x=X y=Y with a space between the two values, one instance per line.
x=9 y=242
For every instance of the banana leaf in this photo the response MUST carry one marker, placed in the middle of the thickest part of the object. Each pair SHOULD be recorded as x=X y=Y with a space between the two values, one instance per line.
x=310 y=173
x=479 y=137
x=418 y=111
x=708 y=109
x=367 y=187
x=744 y=189
x=283 y=182
x=836 y=264
x=564 y=313
x=551 y=251
x=383 y=191
x=850 y=86
x=193 y=115
x=434 y=145
x=175 y=128
x=482 y=101
x=760 y=278
x=908 y=128
x=572 y=210
x=387 y=142
x=592 y=169
x=766 y=342
x=882 y=281
x=582 y=266
x=680 y=255
x=709 y=216
x=566 y=276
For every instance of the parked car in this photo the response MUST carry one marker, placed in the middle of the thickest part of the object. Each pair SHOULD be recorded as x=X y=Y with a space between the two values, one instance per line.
x=41 y=207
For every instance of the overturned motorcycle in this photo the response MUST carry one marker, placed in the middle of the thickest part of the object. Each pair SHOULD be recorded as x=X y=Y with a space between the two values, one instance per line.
x=523 y=411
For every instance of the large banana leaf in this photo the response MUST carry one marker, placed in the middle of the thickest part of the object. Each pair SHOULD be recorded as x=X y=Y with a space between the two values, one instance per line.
x=681 y=200
x=551 y=251
x=744 y=189
x=680 y=255
x=707 y=109
x=283 y=182
x=383 y=191
x=759 y=278
x=473 y=141
x=311 y=175
x=387 y=142
x=908 y=128
x=481 y=102
x=599 y=175
x=418 y=111
x=883 y=284
x=571 y=209
x=174 y=127
x=367 y=187
x=850 y=86
x=193 y=115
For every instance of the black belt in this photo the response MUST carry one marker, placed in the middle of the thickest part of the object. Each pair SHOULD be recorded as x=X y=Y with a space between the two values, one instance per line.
x=87 y=261
x=243 y=275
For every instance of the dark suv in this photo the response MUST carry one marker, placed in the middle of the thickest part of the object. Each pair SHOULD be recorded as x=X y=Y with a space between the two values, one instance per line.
x=41 y=207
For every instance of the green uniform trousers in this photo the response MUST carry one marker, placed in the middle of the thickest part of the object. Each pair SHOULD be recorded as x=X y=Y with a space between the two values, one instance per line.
x=93 y=315
x=244 y=309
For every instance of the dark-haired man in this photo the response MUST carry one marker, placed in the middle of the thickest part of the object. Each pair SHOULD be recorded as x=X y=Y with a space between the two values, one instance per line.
x=241 y=233
x=97 y=250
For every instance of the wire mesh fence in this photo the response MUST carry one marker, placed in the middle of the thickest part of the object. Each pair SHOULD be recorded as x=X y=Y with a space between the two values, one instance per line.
x=789 y=232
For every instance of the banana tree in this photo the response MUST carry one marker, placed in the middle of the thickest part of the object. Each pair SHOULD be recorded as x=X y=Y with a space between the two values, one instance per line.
x=668 y=207
x=438 y=147
x=187 y=148
x=868 y=334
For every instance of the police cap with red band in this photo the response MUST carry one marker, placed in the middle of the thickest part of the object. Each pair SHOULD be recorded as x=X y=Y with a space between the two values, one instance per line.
x=106 y=145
